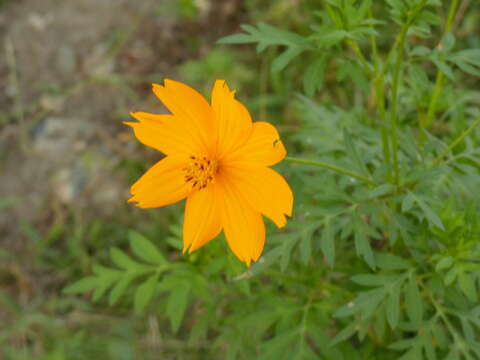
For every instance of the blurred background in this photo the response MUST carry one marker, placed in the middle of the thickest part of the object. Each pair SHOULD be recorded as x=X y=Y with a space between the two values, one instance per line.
x=70 y=73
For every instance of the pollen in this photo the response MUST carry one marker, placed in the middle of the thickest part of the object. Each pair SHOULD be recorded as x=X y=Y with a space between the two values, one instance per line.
x=200 y=171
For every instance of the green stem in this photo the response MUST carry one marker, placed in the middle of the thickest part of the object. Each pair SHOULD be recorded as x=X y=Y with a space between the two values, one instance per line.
x=331 y=167
x=456 y=142
x=441 y=312
x=373 y=43
x=426 y=121
x=378 y=83
x=393 y=113
x=400 y=45
x=358 y=52
x=380 y=101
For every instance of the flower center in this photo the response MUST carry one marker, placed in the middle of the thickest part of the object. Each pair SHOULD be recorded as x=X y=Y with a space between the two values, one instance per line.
x=200 y=171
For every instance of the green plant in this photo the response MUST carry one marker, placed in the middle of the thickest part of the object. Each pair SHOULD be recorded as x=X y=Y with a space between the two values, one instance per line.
x=381 y=259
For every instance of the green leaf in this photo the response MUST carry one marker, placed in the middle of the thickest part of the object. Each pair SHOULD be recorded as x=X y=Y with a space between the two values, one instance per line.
x=421 y=51
x=281 y=344
x=362 y=244
x=393 y=306
x=106 y=277
x=264 y=35
x=306 y=242
x=285 y=58
x=353 y=153
x=387 y=261
x=237 y=39
x=103 y=284
x=413 y=301
x=314 y=76
x=374 y=280
x=144 y=293
x=82 y=286
x=408 y=202
x=450 y=277
x=415 y=353
x=467 y=285
x=380 y=322
x=124 y=261
x=119 y=288
x=344 y=334
x=381 y=190
x=467 y=60
x=448 y=42
x=177 y=304
x=365 y=302
x=444 y=68
x=431 y=216
x=287 y=247
x=145 y=250
x=403 y=344
x=444 y=264
x=327 y=243
x=200 y=328
x=468 y=330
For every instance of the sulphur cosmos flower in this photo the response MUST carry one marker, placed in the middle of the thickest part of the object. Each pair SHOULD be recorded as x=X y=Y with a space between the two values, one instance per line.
x=218 y=159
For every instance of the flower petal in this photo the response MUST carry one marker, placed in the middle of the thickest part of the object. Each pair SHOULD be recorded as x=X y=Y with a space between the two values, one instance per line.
x=162 y=184
x=190 y=108
x=265 y=190
x=243 y=226
x=233 y=121
x=264 y=147
x=164 y=133
x=202 y=221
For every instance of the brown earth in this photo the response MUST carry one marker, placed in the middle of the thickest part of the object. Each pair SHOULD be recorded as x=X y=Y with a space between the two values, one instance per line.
x=70 y=72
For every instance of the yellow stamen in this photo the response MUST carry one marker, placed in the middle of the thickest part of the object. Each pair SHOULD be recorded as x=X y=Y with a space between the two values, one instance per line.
x=200 y=171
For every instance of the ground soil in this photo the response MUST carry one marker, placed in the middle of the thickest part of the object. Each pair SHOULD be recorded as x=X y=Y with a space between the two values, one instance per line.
x=70 y=72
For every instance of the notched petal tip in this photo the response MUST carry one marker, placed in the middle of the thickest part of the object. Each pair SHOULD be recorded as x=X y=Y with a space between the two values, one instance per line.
x=135 y=115
x=220 y=82
x=280 y=224
x=130 y=123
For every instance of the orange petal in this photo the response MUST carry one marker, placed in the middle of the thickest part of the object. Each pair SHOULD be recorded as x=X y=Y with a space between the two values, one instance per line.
x=264 y=147
x=233 y=121
x=264 y=189
x=162 y=184
x=190 y=109
x=243 y=226
x=164 y=133
x=202 y=221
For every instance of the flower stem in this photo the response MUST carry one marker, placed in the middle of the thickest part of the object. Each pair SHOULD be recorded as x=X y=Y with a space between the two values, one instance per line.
x=456 y=142
x=358 y=52
x=380 y=102
x=400 y=46
x=331 y=167
x=426 y=120
x=393 y=112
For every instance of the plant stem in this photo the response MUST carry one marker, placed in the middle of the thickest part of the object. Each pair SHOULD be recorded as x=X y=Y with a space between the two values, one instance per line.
x=426 y=121
x=356 y=49
x=378 y=84
x=441 y=312
x=331 y=167
x=400 y=45
x=393 y=112
x=380 y=102
x=456 y=142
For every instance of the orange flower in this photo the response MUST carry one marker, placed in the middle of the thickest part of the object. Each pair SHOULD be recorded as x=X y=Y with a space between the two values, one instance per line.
x=219 y=160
